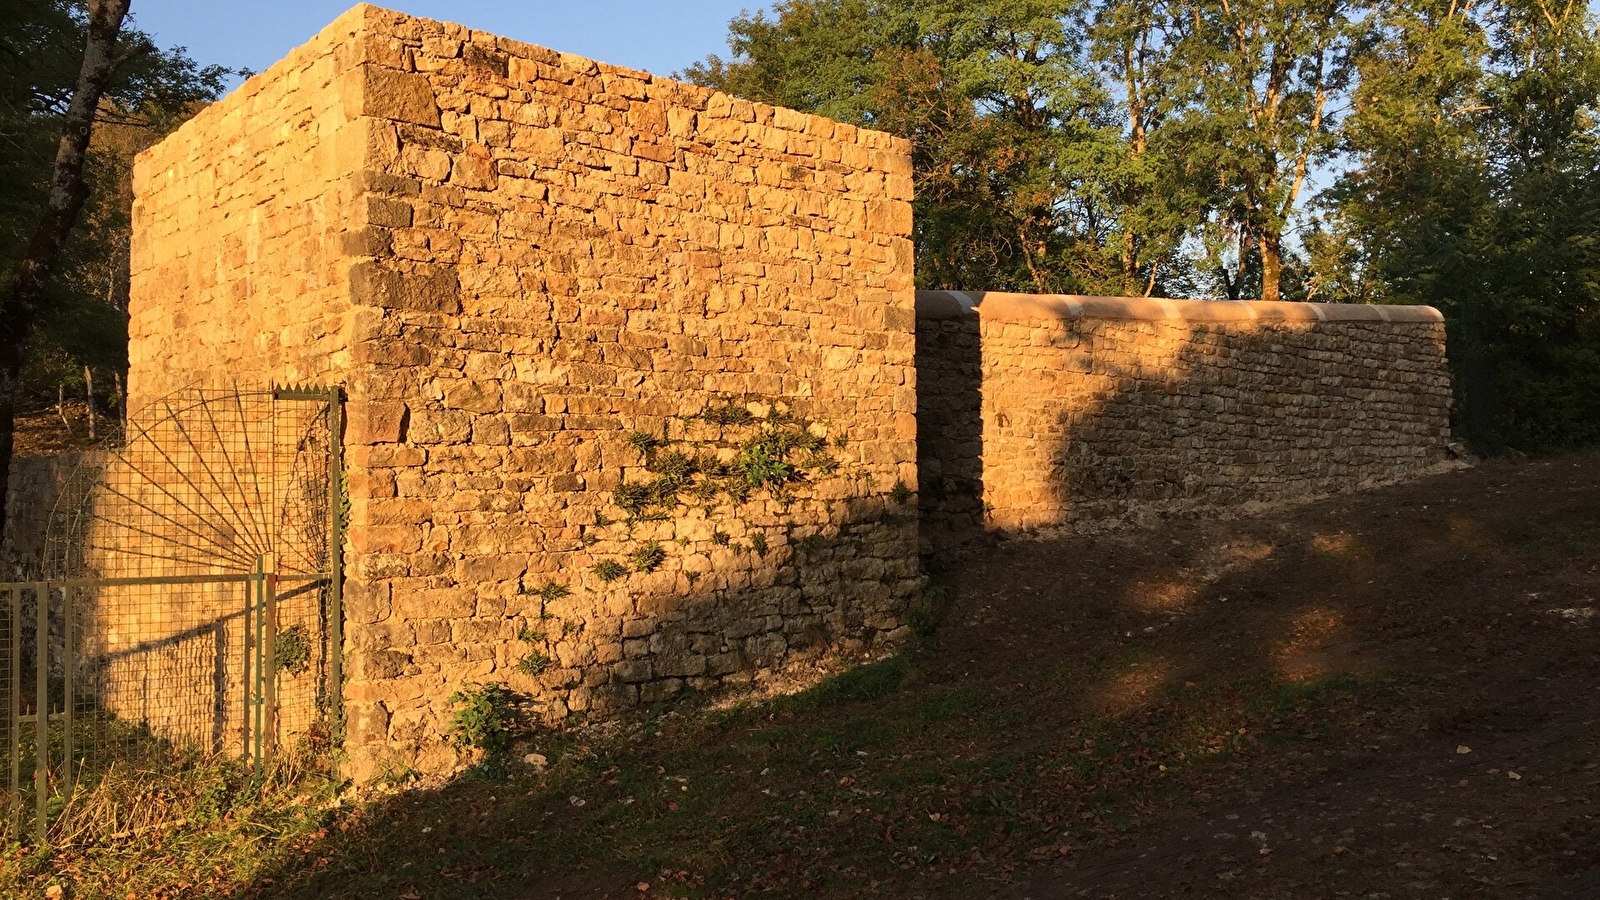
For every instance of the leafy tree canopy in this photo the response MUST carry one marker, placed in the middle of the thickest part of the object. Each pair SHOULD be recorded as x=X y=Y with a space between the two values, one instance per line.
x=1438 y=151
x=41 y=48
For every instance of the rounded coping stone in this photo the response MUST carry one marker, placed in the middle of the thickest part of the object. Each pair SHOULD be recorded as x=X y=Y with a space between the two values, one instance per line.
x=1007 y=307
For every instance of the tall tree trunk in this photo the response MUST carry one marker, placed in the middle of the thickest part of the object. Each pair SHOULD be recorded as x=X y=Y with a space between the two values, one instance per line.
x=67 y=195
x=1271 y=265
x=1130 y=265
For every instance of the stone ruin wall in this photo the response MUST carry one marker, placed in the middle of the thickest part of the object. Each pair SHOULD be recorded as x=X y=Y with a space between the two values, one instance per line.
x=1041 y=412
x=515 y=260
x=238 y=264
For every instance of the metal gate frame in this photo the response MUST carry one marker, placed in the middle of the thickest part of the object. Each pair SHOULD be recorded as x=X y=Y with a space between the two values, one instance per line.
x=260 y=590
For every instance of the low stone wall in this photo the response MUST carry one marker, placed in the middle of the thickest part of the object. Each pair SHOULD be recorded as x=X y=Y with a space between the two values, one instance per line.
x=1041 y=412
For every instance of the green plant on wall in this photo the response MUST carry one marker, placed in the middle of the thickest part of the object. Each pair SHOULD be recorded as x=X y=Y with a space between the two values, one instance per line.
x=483 y=717
x=730 y=451
x=535 y=661
x=774 y=453
x=609 y=570
x=648 y=558
x=292 y=650
x=550 y=591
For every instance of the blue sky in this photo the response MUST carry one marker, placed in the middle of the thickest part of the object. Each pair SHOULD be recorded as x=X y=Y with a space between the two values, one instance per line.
x=659 y=37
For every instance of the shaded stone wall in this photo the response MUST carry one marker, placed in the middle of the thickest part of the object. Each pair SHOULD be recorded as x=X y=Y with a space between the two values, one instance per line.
x=35 y=484
x=542 y=280
x=1040 y=412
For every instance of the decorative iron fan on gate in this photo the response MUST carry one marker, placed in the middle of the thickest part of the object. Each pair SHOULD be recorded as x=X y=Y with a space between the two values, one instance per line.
x=199 y=483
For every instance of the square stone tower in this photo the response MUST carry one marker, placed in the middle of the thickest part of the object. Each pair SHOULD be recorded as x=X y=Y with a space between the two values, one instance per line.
x=629 y=362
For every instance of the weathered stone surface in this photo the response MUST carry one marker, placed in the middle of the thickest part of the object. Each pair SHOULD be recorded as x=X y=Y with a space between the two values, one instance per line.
x=401 y=96
x=1041 y=412
x=512 y=259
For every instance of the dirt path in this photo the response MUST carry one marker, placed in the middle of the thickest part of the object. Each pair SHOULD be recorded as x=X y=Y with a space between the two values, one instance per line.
x=1484 y=783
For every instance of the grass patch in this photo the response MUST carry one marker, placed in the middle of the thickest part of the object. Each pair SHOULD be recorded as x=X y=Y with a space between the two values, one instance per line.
x=809 y=795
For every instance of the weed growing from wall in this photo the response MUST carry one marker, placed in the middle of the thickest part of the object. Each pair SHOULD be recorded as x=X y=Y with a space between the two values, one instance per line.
x=292 y=650
x=483 y=718
x=728 y=453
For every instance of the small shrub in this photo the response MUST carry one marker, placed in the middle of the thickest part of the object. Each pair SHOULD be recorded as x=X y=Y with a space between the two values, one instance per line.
x=648 y=558
x=483 y=717
x=923 y=621
x=692 y=576
x=719 y=538
x=550 y=591
x=727 y=413
x=534 y=663
x=642 y=442
x=293 y=650
x=528 y=636
x=676 y=466
x=609 y=570
x=758 y=543
x=899 y=493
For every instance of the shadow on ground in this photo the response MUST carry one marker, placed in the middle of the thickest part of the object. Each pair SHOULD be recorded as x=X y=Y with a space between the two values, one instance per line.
x=1261 y=708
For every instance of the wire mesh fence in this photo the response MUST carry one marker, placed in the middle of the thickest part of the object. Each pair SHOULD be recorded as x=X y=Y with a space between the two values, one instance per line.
x=189 y=604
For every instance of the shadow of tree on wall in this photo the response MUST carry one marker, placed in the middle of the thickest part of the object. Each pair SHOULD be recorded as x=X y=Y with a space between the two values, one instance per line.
x=1103 y=422
x=1083 y=691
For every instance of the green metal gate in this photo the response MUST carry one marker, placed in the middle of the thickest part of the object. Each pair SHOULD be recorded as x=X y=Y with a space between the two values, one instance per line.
x=189 y=604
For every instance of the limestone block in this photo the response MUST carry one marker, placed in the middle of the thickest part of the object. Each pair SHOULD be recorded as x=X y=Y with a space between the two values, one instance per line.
x=400 y=96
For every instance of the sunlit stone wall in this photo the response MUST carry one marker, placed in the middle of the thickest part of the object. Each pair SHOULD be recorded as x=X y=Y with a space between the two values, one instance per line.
x=517 y=261
x=1044 y=412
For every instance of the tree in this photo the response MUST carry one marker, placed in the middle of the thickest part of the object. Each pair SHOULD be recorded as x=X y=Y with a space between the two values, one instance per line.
x=66 y=65
x=1012 y=133
x=1475 y=189
x=1270 y=76
x=1135 y=45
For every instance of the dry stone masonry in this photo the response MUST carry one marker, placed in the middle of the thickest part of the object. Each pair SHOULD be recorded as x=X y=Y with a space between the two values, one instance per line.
x=636 y=371
x=629 y=362
x=1046 y=412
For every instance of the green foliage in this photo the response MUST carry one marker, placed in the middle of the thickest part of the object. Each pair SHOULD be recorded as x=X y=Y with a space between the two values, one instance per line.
x=777 y=453
x=900 y=494
x=483 y=717
x=534 y=662
x=642 y=442
x=758 y=543
x=41 y=49
x=727 y=413
x=1475 y=191
x=609 y=570
x=292 y=650
x=923 y=621
x=550 y=591
x=648 y=558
